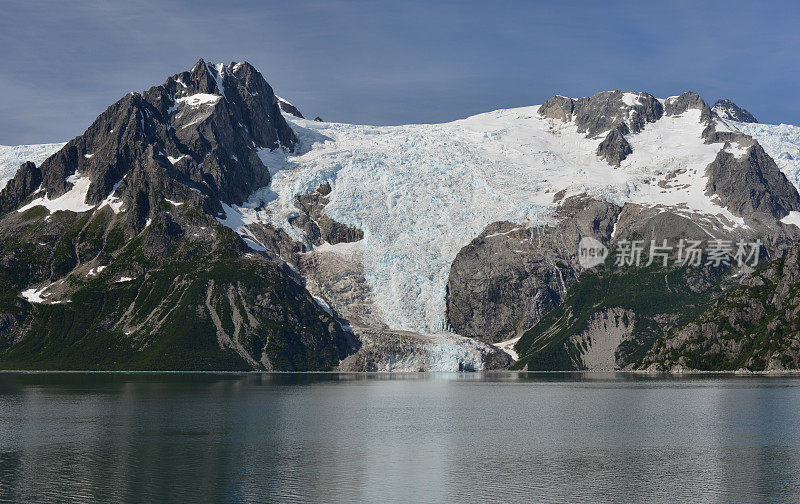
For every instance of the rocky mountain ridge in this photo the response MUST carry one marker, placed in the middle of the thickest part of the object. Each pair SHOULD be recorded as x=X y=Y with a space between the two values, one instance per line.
x=115 y=244
x=371 y=234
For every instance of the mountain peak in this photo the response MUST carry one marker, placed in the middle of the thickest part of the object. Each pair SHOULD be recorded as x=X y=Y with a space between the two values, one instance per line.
x=726 y=109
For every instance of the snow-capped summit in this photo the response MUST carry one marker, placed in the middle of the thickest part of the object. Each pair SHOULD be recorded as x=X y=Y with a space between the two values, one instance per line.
x=374 y=218
x=726 y=109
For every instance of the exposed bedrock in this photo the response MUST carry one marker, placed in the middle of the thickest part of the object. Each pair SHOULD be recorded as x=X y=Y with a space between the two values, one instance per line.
x=615 y=148
x=751 y=184
x=509 y=276
x=726 y=109
x=601 y=112
x=318 y=227
x=614 y=112
x=677 y=105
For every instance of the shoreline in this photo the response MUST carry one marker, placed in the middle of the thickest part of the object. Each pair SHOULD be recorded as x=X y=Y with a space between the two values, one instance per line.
x=415 y=373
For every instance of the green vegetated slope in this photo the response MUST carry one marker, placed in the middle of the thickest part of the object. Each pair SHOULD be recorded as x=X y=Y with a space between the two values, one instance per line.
x=658 y=297
x=755 y=326
x=179 y=303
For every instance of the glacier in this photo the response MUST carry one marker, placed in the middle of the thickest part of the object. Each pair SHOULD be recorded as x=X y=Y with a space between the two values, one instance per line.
x=421 y=192
x=781 y=142
x=11 y=156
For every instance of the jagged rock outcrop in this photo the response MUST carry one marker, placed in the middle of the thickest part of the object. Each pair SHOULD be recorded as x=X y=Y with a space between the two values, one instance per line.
x=202 y=128
x=26 y=181
x=755 y=326
x=614 y=112
x=289 y=108
x=603 y=111
x=726 y=109
x=318 y=227
x=615 y=148
x=751 y=183
x=677 y=105
x=113 y=256
x=507 y=278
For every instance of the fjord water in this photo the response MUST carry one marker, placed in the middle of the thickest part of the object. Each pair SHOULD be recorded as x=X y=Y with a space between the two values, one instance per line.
x=398 y=438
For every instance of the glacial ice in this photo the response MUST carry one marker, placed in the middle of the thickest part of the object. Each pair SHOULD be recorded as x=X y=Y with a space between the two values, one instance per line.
x=422 y=192
x=11 y=156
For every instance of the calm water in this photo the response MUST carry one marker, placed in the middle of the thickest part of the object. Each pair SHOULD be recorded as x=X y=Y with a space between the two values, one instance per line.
x=411 y=438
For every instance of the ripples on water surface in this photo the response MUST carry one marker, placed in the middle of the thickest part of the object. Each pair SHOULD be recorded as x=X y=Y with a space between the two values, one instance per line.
x=408 y=438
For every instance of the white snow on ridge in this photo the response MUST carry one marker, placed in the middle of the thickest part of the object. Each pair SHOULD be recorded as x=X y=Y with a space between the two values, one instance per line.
x=11 y=156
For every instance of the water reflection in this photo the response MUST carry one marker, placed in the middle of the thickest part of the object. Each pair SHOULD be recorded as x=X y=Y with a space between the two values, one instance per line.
x=561 y=437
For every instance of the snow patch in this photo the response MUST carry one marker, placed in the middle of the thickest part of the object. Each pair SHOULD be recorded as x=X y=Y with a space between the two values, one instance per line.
x=34 y=295
x=792 y=218
x=112 y=201
x=199 y=99
x=508 y=347
x=95 y=271
x=73 y=200
x=237 y=219
x=631 y=99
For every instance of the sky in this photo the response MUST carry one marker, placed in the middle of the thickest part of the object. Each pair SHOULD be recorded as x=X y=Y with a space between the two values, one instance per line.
x=394 y=62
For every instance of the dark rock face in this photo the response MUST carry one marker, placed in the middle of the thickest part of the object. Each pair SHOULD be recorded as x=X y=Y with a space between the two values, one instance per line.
x=289 y=108
x=27 y=179
x=751 y=184
x=507 y=278
x=318 y=119
x=711 y=135
x=601 y=112
x=756 y=327
x=317 y=225
x=726 y=109
x=201 y=128
x=149 y=278
x=614 y=112
x=615 y=148
x=677 y=105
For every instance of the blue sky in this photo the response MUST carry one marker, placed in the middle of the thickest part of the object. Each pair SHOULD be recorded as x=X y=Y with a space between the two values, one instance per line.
x=394 y=62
